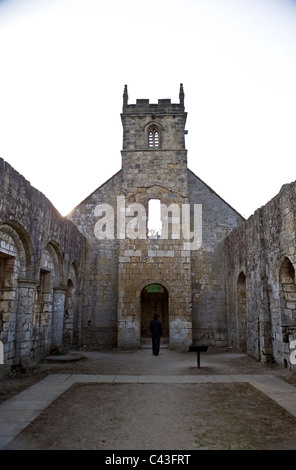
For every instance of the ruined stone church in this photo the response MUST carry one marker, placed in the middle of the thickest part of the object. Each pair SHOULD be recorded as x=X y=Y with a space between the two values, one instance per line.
x=96 y=277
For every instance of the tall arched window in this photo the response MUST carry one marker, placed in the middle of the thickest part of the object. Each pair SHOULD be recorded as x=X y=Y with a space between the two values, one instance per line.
x=241 y=311
x=153 y=137
x=287 y=299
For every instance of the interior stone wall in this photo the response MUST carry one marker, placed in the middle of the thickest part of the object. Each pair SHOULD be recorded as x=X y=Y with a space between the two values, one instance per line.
x=261 y=248
x=34 y=239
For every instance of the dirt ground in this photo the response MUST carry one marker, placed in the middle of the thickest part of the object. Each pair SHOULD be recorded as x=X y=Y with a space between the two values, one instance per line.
x=135 y=416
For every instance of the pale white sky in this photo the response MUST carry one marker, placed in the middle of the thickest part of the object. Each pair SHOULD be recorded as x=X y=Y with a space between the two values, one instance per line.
x=64 y=64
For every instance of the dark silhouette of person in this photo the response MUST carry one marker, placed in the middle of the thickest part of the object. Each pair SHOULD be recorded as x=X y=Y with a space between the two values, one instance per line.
x=155 y=328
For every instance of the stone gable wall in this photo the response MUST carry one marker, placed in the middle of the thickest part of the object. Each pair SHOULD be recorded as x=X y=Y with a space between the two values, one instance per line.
x=100 y=281
x=208 y=277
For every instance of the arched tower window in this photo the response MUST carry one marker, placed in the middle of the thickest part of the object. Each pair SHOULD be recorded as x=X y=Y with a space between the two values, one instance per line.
x=154 y=137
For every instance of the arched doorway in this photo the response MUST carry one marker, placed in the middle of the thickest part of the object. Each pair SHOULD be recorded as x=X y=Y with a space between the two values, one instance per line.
x=287 y=299
x=154 y=299
x=241 y=311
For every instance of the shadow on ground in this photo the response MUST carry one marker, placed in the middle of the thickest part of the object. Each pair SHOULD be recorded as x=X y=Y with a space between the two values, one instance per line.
x=137 y=416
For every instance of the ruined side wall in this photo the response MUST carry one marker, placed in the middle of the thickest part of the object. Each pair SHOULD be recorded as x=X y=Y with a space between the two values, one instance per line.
x=34 y=236
x=208 y=280
x=22 y=204
x=258 y=248
x=246 y=254
x=100 y=284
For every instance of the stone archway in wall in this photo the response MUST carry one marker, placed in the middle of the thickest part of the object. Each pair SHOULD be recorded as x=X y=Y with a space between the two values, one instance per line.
x=16 y=291
x=287 y=299
x=154 y=299
x=241 y=311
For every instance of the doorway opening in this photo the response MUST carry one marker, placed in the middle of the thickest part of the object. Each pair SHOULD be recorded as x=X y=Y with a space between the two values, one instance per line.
x=154 y=299
x=242 y=311
x=287 y=299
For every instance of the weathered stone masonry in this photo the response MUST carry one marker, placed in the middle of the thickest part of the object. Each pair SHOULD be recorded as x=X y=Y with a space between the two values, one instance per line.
x=116 y=309
x=41 y=259
x=100 y=281
x=208 y=275
x=96 y=281
x=260 y=271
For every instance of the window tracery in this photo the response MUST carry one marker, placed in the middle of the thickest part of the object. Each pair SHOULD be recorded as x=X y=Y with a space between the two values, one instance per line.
x=153 y=137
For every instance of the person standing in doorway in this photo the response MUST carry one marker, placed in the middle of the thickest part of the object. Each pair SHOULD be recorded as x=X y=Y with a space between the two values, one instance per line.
x=156 y=333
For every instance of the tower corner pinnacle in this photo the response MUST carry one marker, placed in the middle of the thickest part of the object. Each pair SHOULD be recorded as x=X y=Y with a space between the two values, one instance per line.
x=181 y=95
x=125 y=96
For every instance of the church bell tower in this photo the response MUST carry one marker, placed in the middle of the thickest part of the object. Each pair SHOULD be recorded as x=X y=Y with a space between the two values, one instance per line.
x=154 y=168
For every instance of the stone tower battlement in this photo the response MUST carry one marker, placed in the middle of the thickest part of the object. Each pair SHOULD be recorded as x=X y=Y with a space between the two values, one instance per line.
x=143 y=106
x=154 y=127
